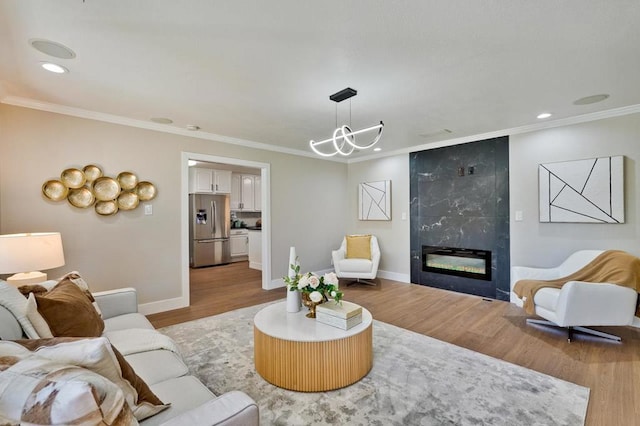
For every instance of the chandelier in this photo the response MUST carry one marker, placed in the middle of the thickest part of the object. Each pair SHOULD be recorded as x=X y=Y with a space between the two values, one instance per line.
x=344 y=139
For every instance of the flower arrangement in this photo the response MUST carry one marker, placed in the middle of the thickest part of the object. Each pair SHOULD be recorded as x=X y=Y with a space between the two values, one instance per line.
x=318 y=288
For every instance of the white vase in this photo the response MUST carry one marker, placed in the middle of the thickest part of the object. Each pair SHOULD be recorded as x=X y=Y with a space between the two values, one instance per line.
x=293 y=301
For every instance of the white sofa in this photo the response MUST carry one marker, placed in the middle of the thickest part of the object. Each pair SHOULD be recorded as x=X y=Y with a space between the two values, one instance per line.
x=578 y=304
x=164 y=371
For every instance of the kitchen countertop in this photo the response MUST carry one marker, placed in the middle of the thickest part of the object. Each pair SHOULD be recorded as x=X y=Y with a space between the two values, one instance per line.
x=254 y=228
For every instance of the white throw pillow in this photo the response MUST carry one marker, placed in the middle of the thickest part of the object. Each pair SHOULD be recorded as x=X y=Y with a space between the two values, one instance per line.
x=16 y=303
x=37 y=321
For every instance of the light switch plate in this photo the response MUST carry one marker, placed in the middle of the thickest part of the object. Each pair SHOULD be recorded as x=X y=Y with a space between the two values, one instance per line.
x=519 y=216
x=148 y=209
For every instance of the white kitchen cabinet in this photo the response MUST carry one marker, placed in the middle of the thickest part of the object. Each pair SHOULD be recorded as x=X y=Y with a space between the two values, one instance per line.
x=236 y=191
x=209 y=181
x=257 y=193
x=247 y=192
x=222 y=181
x=243 y=193
x=239 y=242
x=255 y=249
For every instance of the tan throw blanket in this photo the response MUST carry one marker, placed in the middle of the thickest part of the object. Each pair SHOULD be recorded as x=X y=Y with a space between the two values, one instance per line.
x=612 y=266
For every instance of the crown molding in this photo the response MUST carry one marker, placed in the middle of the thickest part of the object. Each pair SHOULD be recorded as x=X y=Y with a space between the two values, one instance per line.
x=584 y=118
x=142 y=124
x=199 y=134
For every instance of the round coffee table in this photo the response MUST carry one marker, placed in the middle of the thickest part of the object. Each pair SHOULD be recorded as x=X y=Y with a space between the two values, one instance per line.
x=298 y=353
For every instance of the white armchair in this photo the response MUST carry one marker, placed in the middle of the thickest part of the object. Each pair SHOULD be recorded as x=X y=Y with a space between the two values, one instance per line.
x=359 y=269
x=578 y=304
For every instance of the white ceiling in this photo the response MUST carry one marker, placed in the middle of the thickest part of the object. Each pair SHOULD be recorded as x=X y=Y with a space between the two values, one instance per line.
x=262 y=71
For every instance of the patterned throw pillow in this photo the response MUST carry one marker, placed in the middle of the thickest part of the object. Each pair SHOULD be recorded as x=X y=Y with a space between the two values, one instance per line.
x=35 y=390
x=99 y=356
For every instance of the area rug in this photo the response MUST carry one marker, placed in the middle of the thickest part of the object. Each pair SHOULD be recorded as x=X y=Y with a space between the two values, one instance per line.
x=415 y=380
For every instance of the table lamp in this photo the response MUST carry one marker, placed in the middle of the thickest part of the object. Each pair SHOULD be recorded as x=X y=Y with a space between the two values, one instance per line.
x=25 y=254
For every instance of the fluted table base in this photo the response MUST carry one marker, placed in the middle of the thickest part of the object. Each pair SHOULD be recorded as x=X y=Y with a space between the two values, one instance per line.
x=313 y=366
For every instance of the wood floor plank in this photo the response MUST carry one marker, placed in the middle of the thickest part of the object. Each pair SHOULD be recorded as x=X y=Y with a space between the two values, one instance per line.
x=496 y=328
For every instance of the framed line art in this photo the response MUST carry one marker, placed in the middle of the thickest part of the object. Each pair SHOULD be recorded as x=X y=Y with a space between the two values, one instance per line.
x=374 y=200
x=582 y=191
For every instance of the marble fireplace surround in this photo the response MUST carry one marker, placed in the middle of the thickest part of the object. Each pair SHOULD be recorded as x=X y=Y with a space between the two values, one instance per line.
x=460 y=199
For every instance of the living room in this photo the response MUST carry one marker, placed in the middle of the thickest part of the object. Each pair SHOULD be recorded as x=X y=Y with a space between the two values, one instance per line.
x=311 y=202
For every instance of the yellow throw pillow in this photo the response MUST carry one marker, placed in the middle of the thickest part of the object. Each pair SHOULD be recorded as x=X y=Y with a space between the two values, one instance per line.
x=359 y=247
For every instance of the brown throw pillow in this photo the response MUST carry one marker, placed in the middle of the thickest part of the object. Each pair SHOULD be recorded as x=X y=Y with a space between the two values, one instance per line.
x=69 y=312
x=144 y=392
x=358 y=247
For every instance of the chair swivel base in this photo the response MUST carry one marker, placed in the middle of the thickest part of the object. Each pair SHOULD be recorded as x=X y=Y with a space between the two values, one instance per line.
x=570 y=330
x=361 y=281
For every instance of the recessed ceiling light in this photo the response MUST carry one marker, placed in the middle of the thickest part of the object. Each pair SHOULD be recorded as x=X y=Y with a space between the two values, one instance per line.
x=544 y=115
x=192 y=127
x=376 y=149
x=161 y=120
x=50 y=66
x=52 y=48
x=591 y=99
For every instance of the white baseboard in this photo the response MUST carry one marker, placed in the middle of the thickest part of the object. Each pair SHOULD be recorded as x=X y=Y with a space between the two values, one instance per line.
x=162 y=305
x=255 y=265
x=395 y=276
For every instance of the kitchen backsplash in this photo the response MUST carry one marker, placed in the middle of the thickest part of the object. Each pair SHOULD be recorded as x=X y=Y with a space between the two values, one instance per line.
x=249 y=218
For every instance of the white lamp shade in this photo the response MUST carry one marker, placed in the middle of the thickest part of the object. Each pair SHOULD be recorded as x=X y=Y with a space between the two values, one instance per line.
x=30 y=252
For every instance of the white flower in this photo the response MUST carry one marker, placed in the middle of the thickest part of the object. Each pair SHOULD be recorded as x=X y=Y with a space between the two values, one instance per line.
x=314 y=281
x=304 y=281
x=315 y=296
x=333 y=293
x=331 y=278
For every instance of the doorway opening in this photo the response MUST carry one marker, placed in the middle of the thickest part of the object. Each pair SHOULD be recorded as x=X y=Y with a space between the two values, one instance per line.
x=244 y=217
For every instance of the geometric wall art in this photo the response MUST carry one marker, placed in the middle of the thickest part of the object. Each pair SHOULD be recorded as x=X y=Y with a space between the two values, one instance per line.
x=584 y=191
x=374 y=200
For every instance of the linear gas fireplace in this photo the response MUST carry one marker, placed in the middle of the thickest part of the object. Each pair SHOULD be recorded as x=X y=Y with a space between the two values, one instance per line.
x=462 y=262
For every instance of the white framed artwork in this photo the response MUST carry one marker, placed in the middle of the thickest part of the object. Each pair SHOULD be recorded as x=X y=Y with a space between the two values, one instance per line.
x=374 y=200
x=582 y=191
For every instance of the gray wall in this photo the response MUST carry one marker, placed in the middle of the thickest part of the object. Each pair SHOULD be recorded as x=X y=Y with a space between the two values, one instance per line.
x=130 y=249
x=393 y=235
x=547 y=244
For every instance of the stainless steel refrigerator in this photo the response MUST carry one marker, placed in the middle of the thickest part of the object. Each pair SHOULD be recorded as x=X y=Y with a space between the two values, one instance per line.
x=209 y=223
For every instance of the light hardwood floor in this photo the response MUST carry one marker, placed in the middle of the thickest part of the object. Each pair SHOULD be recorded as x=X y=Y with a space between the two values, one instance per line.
x=494 y=328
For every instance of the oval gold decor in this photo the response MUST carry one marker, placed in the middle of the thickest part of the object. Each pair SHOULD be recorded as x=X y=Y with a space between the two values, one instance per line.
x=55 y=190
x=106 y=188
x=81 y=197
x=128 y=201
x=106 y=208
x=92 y=172
x=127 y=180
x=73 y=178
x=146 y=191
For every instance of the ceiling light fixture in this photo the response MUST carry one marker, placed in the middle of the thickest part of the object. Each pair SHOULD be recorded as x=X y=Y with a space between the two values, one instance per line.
x=591 y=99
x=544 y=115
x=55 y=68
x=344 y=139
x=52 y=48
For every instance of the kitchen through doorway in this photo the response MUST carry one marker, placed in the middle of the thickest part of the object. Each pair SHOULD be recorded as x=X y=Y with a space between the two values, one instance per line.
x=228 y=208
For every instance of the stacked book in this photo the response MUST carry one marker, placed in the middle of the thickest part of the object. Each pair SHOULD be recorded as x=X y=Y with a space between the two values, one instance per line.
x=343 y=315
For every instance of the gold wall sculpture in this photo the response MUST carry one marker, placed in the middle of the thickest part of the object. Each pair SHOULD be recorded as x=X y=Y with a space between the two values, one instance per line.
x=88 y=187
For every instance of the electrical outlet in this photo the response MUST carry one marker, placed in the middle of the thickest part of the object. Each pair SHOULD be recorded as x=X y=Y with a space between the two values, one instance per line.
x=148 y=209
